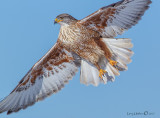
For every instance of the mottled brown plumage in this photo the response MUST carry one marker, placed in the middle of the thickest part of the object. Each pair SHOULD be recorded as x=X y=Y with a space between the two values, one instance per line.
x=84 y=42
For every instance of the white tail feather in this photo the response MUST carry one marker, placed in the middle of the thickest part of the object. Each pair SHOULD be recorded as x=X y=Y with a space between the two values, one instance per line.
x=120 y=50
x=120 y=53
x=89 y=74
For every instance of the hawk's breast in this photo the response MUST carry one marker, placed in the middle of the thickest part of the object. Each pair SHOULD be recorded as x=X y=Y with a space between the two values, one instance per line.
x=76 y=33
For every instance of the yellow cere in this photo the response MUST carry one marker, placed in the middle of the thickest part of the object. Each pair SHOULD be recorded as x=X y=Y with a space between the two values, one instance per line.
x=57 y=20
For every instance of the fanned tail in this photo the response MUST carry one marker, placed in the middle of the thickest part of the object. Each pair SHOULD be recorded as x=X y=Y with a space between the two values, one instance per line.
x=120 y=49
x=121 y=53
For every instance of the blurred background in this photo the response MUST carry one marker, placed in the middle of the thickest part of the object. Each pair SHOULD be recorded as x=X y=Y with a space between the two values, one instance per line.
x=27 y=32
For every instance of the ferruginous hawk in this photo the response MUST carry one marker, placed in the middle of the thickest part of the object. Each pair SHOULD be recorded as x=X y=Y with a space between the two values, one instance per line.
x=88 y=43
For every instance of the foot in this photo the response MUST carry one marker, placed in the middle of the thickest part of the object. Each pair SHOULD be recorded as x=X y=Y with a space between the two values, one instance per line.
x=101 y=73
x=113 y=63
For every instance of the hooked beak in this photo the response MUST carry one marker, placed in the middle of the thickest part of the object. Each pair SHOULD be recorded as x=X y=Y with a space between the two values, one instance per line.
x=57 y=21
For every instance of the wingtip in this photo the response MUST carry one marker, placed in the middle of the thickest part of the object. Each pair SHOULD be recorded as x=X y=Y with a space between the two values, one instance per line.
x=9 y=112
x=150 y=2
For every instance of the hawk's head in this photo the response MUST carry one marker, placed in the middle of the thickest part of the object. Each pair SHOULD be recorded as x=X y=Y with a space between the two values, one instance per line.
x=65 y=19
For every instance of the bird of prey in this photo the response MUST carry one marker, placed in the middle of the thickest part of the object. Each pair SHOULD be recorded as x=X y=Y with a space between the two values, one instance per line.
x=88 y=43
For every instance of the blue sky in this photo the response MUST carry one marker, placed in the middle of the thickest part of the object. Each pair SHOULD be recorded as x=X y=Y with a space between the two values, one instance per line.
x=27 y=32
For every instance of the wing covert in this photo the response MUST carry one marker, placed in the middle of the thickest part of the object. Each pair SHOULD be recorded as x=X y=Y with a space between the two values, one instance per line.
x=114 y=19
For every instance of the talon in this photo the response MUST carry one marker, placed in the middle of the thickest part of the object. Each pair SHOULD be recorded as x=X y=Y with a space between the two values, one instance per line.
x=113 y=63
x=101 y=73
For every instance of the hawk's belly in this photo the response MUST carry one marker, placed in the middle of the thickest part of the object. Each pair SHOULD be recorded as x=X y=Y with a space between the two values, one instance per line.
x=82 y=42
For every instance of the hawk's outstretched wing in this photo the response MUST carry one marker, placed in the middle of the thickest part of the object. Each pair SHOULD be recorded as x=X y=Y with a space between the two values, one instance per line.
x=46 y=77
x=116 y=18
